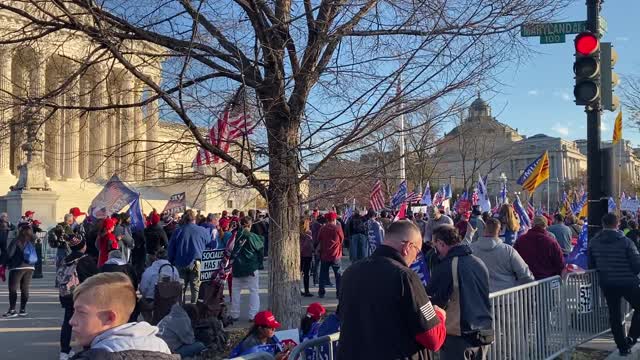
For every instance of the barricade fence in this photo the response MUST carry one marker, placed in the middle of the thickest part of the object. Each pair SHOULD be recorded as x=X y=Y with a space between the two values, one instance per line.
x=539 y=320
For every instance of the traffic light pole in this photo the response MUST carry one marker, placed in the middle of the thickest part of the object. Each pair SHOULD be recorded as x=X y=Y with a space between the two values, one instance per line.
x=594 y=159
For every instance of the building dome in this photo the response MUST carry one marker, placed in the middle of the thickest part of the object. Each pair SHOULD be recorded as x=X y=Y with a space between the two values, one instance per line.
x=479 y=108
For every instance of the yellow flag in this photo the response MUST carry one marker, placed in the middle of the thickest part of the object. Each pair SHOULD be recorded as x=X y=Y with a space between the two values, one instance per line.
x=617 y=128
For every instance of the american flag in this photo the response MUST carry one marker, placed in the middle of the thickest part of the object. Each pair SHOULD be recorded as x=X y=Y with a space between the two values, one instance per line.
x=530 y=208
x=474 y=197
x=347 y=214
x=413 y=197
x=376 y=200
x=400 y=196
x=234 y=123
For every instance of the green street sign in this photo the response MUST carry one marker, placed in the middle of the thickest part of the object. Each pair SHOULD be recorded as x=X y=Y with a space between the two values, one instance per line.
x=552 y=39
x=560 y=28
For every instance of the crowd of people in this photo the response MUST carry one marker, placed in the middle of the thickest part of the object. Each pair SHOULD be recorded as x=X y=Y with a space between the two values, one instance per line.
x=109 y=277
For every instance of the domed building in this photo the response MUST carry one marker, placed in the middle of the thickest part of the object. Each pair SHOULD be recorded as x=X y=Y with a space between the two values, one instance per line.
x=482 y=145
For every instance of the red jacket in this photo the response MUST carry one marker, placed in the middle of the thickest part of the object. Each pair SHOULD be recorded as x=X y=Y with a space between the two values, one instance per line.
x=330 y=238
x=106 y=243
x=541 y=252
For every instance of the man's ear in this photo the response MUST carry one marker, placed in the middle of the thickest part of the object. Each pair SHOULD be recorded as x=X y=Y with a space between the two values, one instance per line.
x=108 y=318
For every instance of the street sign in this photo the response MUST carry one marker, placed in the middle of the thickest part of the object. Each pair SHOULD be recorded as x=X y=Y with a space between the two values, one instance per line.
x=560 y=28
x=552 y=39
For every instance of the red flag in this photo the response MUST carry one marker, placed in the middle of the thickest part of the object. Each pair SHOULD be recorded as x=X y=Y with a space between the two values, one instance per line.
x=402 y=213
x=376 y=200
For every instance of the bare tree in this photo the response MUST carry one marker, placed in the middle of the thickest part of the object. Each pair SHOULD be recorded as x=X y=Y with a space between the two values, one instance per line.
x=631 y=99
x=322 y=75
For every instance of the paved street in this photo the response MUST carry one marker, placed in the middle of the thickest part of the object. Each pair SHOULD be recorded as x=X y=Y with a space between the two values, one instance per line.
x=37 y=336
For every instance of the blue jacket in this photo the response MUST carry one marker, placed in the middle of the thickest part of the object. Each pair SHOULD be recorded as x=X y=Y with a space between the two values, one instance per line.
x=213 y=235
x=187 y=244
x=375 y=234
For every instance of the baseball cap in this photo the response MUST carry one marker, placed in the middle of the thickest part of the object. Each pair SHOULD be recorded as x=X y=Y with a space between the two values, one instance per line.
x=266 y=319
x=29 y=213
x=76 y=212
x=331 y=216
x=315 y=311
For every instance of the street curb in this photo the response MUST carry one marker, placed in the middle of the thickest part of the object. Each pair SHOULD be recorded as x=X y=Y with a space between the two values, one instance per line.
x=635 y=354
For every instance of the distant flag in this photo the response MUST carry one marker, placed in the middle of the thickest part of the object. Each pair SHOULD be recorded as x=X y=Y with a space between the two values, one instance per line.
x=464 y=196
x=522 y=213
x=402 y=213
x=348 y=213
x=536 y=173
x=135 y=215
x=203 y=157
x=483 y=196
x=376 y=199
x=413 y=197
x=438 y=197
x=582 y=191
x=531 y=210
x=623 y=196
x=611 y=205
x=579 y=254
x=581 y=204
x=503 y=194
x=474 y=197
x=426 y=196
x=447 y=192
x=400 y=196
x=617 y=128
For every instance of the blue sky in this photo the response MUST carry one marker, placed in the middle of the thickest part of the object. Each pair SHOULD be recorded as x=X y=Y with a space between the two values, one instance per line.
x=536 y=96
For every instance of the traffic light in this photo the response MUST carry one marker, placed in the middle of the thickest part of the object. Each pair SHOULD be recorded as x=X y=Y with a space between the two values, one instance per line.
x=587 y=68
x=608 y=78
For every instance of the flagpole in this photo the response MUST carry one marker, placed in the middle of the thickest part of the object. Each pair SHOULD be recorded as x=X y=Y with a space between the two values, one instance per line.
x=548 y=200
x=401 y=119
x=620 y=169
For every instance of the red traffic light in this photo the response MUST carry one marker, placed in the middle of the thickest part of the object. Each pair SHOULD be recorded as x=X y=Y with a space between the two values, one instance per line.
x=586 y=43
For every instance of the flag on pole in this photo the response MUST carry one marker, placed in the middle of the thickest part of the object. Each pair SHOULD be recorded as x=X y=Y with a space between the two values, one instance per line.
x=413 y=197
x=376 y=200
x=531 y=210
x=348 y=213
x=483 y=196
x=581 y=204
x=400 y=196
x=112 y=198
x=447 y=192
x=611 y=205
x=525 y=222
x=503 y=193
x=426 y=196
x=474 y=197
x=438 y=198
x=402 y=213
x=579 y=254
x=536 y=173
x=234 y=123
x=135 y=215
x=617 y=128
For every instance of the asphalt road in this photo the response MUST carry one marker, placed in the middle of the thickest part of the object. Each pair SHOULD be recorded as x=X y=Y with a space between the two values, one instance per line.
x=37 y=335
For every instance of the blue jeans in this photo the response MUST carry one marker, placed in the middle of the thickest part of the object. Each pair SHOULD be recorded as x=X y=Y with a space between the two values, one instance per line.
x=358 y=247
x=189 y=350
x=324 y=275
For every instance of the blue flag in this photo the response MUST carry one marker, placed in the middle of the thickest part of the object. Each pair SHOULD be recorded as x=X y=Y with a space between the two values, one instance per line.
x=611 y=205
x=135 y=214
x=421 y=268
x=114 y=196
x=522 y=213
x=400 y=196
x=579 y=254
x=426 y=196
x=503 y=193
x=447 y=192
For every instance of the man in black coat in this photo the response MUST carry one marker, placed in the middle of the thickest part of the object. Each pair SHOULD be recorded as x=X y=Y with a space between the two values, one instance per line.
x=618 y=263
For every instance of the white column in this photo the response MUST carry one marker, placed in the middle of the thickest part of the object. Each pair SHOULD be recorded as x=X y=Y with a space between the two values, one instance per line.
x=112 y=134
x=85 y=141
x=6 y=89
x=37 y=87
x=126 y=129
x=138 y=129
x=72 y=134
x=153 y=125
x=97 y=128
x=53 y=136
x=18 y=127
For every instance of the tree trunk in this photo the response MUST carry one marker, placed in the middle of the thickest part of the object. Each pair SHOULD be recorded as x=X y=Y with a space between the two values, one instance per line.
x=284 y=213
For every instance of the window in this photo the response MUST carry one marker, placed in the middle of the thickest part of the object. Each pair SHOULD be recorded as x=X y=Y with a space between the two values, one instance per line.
x=229 y=204
x=163 y=171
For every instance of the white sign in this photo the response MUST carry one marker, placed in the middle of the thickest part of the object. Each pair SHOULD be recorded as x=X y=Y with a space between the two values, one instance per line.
x=210 y=262
x=629 y=204
x=586 y=299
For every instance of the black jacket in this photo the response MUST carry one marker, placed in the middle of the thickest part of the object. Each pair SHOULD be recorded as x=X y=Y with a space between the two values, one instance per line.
x=382 y=308
x=100 y=354
x=615 y=257
x=126 y=269
x=473 y=280
x=155 y=238
x=86 y=267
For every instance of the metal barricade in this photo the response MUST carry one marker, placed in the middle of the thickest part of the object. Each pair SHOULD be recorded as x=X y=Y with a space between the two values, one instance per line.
x=528 y=321
x=323 y=348
x=587 y=312
x=255 y=356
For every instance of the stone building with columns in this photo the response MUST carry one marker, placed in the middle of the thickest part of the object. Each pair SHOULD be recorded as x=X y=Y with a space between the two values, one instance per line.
x=482 y=145
x=68 y=106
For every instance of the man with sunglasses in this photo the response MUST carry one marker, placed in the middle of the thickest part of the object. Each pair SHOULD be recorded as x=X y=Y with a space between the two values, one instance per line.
x=384 y=310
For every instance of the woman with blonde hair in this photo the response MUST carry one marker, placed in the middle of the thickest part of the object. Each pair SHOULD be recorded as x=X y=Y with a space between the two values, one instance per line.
x=510 y=225
x=306 y=253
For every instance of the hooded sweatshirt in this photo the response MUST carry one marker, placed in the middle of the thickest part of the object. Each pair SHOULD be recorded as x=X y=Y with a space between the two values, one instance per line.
x=131 y=336
x=505 y=265
x=616 y=259
x=175 y=328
